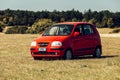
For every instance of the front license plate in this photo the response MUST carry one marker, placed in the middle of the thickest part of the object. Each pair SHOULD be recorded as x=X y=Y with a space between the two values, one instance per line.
x=41 y=49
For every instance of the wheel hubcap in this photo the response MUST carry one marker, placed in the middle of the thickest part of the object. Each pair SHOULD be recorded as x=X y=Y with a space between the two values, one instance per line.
x=68 y=54
x=98 y=52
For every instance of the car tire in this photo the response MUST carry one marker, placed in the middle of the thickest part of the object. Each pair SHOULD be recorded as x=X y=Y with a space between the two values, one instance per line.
x=97 y=52
x=68 y=55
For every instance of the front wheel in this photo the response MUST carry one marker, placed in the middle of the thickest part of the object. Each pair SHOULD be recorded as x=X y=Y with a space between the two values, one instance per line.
x=97 y=52
x=68 y=55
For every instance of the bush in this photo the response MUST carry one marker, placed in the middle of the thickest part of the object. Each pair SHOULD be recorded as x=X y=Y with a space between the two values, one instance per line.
x=117 y=30
x=16 y=30
x=2 y=26
x=39 y=26
x=1 y=29
x=98 y=25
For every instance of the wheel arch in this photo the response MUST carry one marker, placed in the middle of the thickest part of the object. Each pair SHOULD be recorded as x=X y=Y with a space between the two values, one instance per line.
x=69 y=48
x=97 y=54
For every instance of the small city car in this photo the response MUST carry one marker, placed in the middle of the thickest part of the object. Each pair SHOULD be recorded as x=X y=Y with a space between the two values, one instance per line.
x=67 y=40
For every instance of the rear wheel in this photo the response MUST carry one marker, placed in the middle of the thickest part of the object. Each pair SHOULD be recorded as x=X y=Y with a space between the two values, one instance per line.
x=97 y=52
x=68 y=55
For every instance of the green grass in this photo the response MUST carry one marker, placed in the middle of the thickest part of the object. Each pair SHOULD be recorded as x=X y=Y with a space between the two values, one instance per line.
x=16 y=62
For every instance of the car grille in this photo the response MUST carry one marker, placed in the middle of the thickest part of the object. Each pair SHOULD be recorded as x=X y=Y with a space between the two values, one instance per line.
x=43 y=44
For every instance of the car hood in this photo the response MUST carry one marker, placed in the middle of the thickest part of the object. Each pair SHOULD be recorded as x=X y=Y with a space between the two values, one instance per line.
x=51 y=38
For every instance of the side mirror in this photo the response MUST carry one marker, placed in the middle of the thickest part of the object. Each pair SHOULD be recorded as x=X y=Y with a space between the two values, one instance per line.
x=76 y=34
x=42 y=34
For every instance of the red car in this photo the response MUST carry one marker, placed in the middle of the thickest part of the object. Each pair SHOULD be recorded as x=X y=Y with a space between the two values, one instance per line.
x=67 y=40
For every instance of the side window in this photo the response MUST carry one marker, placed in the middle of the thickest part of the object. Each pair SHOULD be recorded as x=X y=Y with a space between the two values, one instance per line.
x=79 y=29
x=88 y=29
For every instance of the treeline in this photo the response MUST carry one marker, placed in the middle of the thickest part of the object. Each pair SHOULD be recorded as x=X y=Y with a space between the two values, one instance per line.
x=27 y=18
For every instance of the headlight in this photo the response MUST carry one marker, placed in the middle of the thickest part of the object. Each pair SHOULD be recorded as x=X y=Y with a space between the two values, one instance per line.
x=56 y=43
x=33 y=43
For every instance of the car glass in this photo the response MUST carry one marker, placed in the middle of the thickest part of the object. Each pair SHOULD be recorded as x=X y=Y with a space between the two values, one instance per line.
x=88 y=29
x=59 y=30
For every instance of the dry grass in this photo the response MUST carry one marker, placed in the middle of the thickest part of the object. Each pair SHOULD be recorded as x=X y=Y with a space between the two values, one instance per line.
x=104 y=30
x=16 y=62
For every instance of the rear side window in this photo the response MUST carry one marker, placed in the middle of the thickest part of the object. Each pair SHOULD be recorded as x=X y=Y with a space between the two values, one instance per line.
x=88 y=29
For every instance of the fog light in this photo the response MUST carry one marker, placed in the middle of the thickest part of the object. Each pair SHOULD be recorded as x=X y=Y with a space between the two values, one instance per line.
x=56 y=53
x=32 y=53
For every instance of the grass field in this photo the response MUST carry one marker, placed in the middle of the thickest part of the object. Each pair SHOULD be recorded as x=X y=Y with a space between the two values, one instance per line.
x=105 y=30
x=16 y=62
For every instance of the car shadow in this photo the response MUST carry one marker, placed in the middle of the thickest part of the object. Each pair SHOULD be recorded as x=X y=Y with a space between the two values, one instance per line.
x=82 y=57
x=91 y=57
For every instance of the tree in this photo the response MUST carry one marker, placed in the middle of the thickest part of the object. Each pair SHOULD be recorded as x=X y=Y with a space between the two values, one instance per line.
x=74 y=19
x=10 y=21
x=39 y=26
x=88 y=15
x=104 y=22
x=93 y=21
x=110 y=23
x=98 y=25
x=62 y=19
x=5 y=20
x=1 y=26
x=27 y=18
x=84 y=20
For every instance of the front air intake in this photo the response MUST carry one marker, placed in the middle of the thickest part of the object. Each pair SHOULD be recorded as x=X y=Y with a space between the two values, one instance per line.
x=43 y=44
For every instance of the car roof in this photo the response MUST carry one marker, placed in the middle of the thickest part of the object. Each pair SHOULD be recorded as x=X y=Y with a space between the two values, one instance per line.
x=73 y=23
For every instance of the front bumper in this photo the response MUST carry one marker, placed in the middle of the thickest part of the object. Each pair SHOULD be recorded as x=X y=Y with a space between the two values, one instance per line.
x=50 y=53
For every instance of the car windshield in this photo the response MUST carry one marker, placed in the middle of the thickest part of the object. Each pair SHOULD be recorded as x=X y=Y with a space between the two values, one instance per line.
x=59 y=30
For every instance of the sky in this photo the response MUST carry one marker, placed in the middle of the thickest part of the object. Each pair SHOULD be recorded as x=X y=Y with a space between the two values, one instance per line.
x=61 y=5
